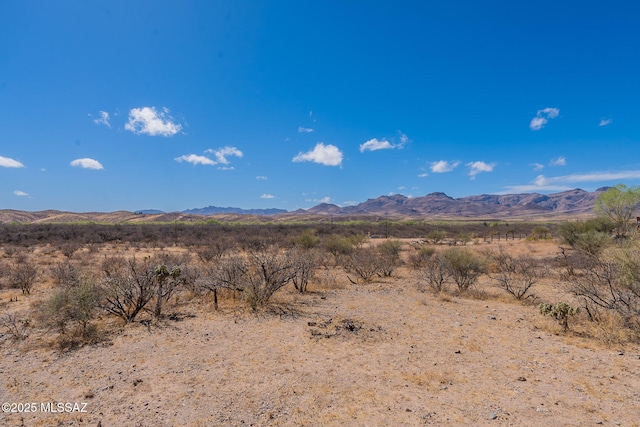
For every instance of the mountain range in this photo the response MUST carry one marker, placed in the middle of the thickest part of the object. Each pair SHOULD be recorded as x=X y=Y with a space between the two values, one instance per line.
x=571 y=202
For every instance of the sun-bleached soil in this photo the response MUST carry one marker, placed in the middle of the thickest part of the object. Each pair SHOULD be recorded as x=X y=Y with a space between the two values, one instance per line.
x=378 y=354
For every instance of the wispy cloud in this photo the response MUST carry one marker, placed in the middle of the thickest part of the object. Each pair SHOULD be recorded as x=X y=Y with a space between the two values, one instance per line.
x=542 y=117
x=328 y=155
x=478 y=167
x=537 y=166
x=604 y=122
x=20 y=193
x=149 y=121
x=7 y=162
x=195 y=159
x=325 y=199
x=442 y=166
x=376 y=144
x=86 y=163
x=423 y=175
x=558 y=161
x=221 y=154
x=267 y=196
x=304 y=130
x=565 y=182
x=103 y=119
x=261 y=178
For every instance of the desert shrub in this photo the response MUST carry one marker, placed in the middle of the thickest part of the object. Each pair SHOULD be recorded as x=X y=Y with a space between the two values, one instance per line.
x=436 y=236
x=308 y=239
x=540 y=232
x=64 y=274
x=23 y=275
x=337 y=245
x=570 y=232
x=363 y=263
x=228 y=272
x=389 y=256
x=463 y=266
x=71 y=309
x=305 y=262
x=610 y=282
x=166 y=280
x=127 y=286
x=269 y=270
x=69 y=248
x=420 y=258
x=357 y=240
x=214 y=249
x=435 y=273
x=15 y=326
x=560 y=311
x=517 y=275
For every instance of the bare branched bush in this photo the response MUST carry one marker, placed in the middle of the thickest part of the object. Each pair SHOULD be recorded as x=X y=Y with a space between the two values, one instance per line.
x=15 y=326
x=270 y=269
x=419 y=259
x=363 y=263
x=389 y=256
x=463 y=266
x=23 y=275
x=305 y=262
x=64 y=274
x=435 y=273
x=610 y=282
x=127 y=286
x=517 y=275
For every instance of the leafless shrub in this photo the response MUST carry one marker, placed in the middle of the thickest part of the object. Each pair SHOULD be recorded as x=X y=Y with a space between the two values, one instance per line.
x=611 y=282
x=15 y=326
x=64 y=274
x=69 y=248
x=305 y=262
x=435 y=273
x=363 y=263
x=228 y=273
x=389 y=256
x=127 y=286
x=269 y=270
x=23 y=275
x=420 y=258
x=517 y=275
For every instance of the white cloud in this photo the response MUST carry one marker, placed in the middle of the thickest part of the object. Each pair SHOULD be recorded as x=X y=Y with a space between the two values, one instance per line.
x=604 y=122
x=103 y=120
x=224 y=152
x=375 y=144
x=149 y=121
x=325 y=199
x=304 y=130
x=564 y=182
x=423 y=175
x=542 y=117
x=267 y=196
x=442 y=166
x=195 y=160
x=328 y=155
x=478 y=167
x=537 y=166
x=20 y=193
x=551 y=113
x=404 y=139
x=261 y=178
x=7 y=162
x=86 y=163
x=558 y=161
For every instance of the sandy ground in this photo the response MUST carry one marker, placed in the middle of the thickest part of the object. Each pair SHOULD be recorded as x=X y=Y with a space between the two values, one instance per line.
x=380 y=354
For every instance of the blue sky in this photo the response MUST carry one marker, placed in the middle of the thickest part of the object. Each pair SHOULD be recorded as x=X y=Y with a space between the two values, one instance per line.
x=109 y=105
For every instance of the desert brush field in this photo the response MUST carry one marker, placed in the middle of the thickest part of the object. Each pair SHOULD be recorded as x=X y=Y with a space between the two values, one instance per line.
x=353 y=348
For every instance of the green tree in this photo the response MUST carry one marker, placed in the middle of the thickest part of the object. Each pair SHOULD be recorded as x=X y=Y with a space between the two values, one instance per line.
x=619 y=203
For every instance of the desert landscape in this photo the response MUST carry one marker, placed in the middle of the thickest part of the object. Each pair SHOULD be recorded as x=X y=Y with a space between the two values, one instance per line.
x=386 y=346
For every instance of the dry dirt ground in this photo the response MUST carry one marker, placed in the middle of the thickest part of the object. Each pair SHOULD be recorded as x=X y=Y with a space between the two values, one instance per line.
x=379 y=354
